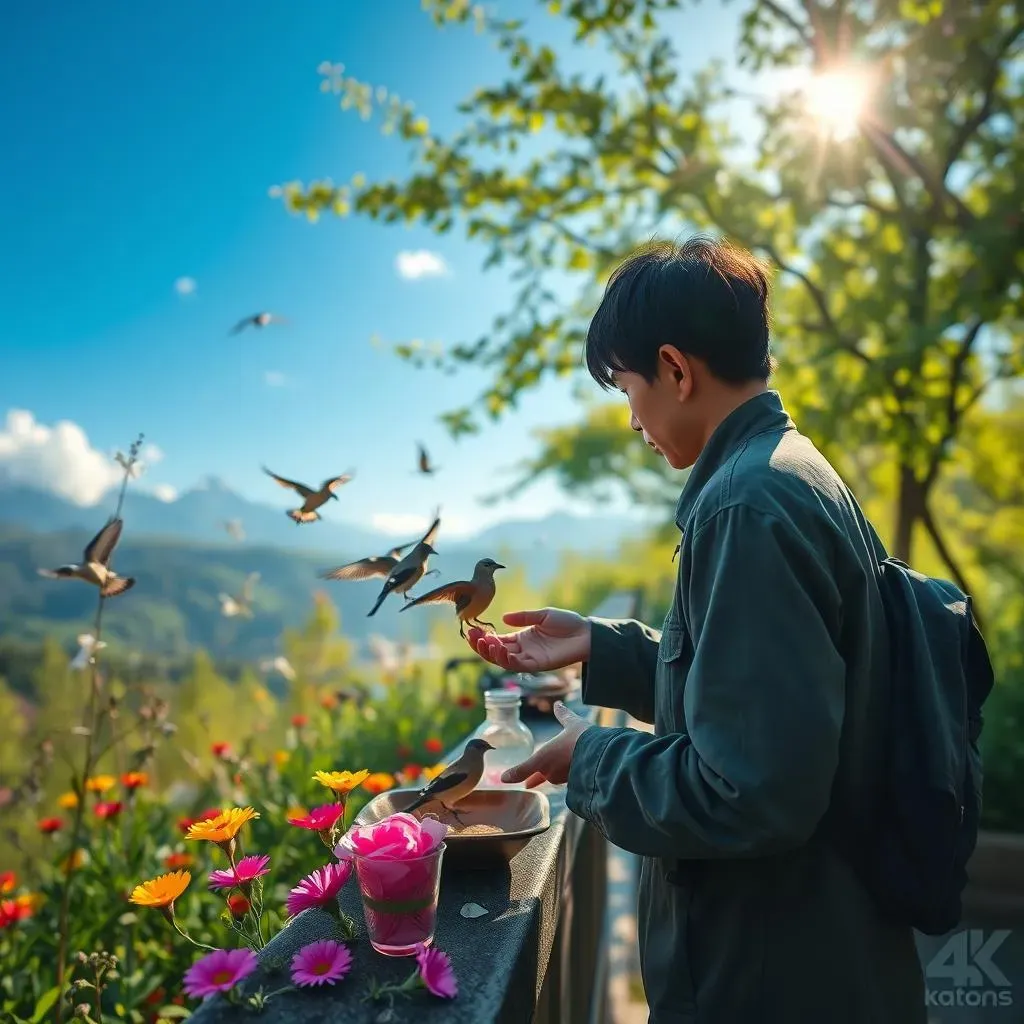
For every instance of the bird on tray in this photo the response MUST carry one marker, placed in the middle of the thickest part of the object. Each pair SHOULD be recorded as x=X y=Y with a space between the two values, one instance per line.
x=470 y=597
x=95 y=563
x=456 y=782
x=312 y=500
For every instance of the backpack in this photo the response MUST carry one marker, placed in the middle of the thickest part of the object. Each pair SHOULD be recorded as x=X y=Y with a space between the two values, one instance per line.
x=926 y=826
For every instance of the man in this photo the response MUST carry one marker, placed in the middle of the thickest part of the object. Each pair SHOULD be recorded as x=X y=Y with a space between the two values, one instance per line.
x=761 y=685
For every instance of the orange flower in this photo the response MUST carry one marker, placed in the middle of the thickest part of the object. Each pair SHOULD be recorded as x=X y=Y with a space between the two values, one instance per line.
x=17 y=909
x=67 y=801
x=224 y=827
x=281 y=758
x=433 y=746
x=342 y=782
x=162 y=891
x=296 y=811
x=178 y=860
x=432 y=773
x=132 y=780
x=300 y=721
x=328 y=702
x=220 y=749
x=8 y=880
x=378 y=782
x=100 y=783
x=74 y=860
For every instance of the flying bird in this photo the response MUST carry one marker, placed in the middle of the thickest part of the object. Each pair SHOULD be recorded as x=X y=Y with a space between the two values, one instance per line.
x=87 y=646
x=95 y=563
x=281 y=665
x=257 y=320
x=380 y=565
x=241 y=604
x=312 y=500
x=423 y=462
x=456 y=782
x=471 y=597
x=406 y=574
x=234 y=529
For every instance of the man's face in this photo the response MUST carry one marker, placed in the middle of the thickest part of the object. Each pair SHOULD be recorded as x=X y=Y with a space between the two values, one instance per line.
x=660 y=412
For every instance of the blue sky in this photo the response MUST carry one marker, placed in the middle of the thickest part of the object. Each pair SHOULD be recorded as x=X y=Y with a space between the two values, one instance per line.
x=142 y=140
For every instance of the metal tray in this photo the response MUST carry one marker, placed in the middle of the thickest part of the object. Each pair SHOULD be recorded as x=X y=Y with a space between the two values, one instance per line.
x=521 y=814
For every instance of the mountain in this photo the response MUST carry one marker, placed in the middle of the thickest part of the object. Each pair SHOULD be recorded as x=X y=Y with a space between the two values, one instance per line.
x=182 y=559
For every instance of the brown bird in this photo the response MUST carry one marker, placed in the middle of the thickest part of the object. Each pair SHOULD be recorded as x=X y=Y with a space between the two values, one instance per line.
x=312 y=500
x=257 y=320
x=471 y=597
x=456 y=782
x=95 y=563
x=407 y=573
x=423 y=462
x=380 y=565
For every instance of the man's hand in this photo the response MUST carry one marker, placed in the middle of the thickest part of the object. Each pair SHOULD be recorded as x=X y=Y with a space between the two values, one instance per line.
x=550 y=762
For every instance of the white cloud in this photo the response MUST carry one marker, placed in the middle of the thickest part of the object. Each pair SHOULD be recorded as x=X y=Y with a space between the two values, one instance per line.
x=185 y=285
x=165 y=492
x=412 y=265
x=274 y=379
x=58 y=459
x=408 y=524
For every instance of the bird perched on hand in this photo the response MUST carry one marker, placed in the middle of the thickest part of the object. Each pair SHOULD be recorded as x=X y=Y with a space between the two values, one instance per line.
x=423 y=461
x=242 y=603
x=257 y=320
x=456 y=782
x=407 y=573
x=312 y=500
x=380 y=565
x=95 y=563
x=471 y=597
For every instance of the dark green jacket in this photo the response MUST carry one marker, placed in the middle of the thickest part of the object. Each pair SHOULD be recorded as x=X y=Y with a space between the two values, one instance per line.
x=759 y=690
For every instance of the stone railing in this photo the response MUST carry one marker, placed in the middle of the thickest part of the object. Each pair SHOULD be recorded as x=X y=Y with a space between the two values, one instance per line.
x=538 y=955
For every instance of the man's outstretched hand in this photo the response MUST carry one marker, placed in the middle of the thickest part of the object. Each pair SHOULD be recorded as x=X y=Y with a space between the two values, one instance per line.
x=550 y=762
x=549 y=638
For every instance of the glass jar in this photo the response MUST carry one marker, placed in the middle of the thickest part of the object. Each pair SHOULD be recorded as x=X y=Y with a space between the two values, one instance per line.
x=512 y=741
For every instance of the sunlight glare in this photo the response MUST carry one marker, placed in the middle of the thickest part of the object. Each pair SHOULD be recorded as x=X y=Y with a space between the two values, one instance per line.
x=836 y=100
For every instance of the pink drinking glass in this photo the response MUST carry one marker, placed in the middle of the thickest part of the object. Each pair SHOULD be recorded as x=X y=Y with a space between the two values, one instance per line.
x=400 y=900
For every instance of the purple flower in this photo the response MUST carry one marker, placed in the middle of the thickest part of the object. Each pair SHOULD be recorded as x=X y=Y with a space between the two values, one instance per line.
x=246 y=870
x=321 y=963
x=219 y=971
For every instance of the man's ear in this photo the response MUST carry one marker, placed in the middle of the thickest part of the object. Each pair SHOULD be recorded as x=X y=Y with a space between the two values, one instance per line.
x=675 y=368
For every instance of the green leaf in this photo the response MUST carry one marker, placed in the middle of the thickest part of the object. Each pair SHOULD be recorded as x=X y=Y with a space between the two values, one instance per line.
x=45 y=1003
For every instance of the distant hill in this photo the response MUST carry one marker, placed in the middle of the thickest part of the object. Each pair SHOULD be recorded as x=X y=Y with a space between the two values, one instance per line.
x=183 y=559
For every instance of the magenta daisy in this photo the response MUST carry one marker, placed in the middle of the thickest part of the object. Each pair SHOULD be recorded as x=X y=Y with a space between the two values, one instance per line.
x=321 y=963
x=248 y=869
x=320 y=819
x=319 y=888
x=436 y=972
x=219 y=971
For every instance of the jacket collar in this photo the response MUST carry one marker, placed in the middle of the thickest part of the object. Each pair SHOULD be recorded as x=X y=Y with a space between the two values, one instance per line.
x=756 y=415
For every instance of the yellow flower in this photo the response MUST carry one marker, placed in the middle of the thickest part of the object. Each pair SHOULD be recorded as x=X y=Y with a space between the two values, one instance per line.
x=281 y=758
x=100 y=783
x=30 y=901
x=161 y=891
x=74 y=860
x=224 y=827
x=378 y=782
x=69 y=801
x=342 y=782
x=432 y=773
x=295 y=811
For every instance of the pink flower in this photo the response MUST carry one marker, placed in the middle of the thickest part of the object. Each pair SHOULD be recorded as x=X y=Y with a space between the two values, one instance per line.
x=219 y=971
x=321 y=963
x=246 y=870
x=397 y=837
x=320 y=819
x=318 y=889
x=436 y=972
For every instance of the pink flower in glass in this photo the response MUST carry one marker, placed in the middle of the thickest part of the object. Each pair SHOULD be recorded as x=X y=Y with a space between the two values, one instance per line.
x=320 y=819
x=219 y=971
x=321 y=963
x=397 y=837
x=436 y=972
x=319 y=888
x=246 y=870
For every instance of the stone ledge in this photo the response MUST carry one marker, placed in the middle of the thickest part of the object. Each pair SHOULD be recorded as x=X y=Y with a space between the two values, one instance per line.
x=500 y=960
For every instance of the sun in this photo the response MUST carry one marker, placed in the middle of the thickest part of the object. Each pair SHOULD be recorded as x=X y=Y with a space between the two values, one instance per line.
x=837 y=99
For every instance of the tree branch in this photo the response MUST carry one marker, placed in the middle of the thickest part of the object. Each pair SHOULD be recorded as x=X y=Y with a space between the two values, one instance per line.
x=946 y=555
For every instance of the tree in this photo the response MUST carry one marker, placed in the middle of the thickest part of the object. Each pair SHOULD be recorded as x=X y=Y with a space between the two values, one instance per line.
x=899 y=248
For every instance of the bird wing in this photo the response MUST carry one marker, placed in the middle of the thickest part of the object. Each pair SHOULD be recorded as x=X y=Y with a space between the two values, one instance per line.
x=291 y=484
x=375 y=565
x=445 y=782
x=117 y=585
x=242 y=324
x=302 y=517
x=58 y=573
x=396 y=552
x=332 y=483
x=460 y=592
x=431 y=535
x=101 y=547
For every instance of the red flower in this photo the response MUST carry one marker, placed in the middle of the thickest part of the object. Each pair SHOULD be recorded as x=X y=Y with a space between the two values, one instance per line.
x=50 y=825
x=132 y=780
x=433 y=746
x=465 y=701
x=178 y=860
x=108 y=809
x=8 y=880
x=403 y=751
x=412 y=772
x=300 y=721
x=221 y=749
x=238 y=905
x=12 y=911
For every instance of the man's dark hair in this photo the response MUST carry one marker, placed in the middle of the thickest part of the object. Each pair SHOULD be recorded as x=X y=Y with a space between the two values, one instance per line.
x=707 y=298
